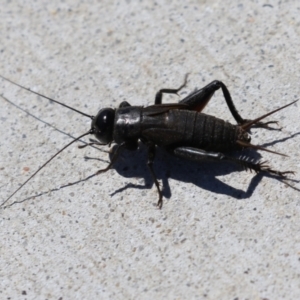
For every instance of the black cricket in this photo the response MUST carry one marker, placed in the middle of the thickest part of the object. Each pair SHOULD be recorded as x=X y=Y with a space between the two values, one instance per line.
x=181 y=128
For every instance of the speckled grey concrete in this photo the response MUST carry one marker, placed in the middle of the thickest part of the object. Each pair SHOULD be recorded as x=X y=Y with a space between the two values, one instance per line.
x=223 y=233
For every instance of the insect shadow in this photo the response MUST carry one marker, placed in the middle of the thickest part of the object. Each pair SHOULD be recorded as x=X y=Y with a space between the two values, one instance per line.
x=203 y=174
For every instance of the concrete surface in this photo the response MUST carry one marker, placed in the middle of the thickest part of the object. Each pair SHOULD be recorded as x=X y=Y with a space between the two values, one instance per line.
x=223 y=233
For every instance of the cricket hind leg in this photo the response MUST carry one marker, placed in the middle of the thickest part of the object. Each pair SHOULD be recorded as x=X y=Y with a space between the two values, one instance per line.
x=245 y=162
x=199 y=99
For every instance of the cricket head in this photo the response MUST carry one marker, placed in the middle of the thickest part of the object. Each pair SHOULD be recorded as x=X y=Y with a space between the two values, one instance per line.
x=103 y=125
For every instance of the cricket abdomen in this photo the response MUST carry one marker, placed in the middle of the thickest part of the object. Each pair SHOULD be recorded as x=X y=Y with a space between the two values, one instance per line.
x=192 y=129
x=211 y=133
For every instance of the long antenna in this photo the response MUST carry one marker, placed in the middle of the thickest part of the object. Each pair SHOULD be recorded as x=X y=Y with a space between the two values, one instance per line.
x=40 y=168
x=62 y=104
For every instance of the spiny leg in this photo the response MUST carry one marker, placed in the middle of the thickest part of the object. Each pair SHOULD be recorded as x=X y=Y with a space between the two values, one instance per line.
x=159 y=94
x=199 y=99
x=151 y=156
x=248 y=164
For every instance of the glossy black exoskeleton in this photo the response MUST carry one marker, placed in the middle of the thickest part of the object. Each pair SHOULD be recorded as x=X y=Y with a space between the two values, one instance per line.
x=181 y=128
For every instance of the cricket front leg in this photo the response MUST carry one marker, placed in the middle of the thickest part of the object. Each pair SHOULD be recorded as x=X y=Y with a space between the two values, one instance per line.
x=113 y=159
